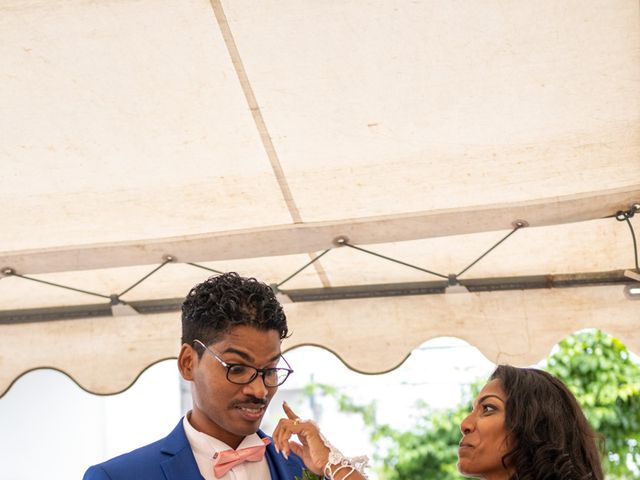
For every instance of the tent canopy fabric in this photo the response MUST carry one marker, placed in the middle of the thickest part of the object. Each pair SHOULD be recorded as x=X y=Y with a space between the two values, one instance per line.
x=253 y=136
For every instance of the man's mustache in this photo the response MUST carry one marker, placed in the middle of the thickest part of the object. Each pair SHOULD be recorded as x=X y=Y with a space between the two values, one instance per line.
x=250 y=400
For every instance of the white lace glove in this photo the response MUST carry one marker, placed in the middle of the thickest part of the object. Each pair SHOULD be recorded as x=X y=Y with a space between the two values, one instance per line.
x=359 y=463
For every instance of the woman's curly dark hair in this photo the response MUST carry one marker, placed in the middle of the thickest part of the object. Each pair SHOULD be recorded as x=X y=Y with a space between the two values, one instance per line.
x=215 y=306
x=550 y=436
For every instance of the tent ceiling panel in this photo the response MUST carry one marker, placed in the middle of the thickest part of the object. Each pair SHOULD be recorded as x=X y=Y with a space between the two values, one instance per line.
x=395 y=110
x=136 y=126
x=248 y=136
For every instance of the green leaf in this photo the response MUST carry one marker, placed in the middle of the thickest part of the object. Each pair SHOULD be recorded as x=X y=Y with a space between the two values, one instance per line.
x=307 y=475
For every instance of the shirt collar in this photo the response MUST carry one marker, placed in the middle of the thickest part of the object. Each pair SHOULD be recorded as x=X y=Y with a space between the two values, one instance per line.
x=207 y=445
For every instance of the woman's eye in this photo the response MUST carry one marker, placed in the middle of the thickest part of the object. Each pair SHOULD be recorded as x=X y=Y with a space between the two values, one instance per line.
x=487 y=408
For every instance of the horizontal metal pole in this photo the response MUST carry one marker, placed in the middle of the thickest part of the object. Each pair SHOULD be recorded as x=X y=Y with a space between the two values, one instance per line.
x=334 y=293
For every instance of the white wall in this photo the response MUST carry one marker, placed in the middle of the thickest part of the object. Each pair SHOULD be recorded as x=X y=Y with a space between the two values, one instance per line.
x=51 y=429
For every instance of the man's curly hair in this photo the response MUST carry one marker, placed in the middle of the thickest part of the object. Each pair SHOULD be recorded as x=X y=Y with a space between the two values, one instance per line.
x=213 y=307
x=551 y=438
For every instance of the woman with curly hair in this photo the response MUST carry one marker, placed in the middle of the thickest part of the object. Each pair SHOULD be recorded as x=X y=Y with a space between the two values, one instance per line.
x=527 y=425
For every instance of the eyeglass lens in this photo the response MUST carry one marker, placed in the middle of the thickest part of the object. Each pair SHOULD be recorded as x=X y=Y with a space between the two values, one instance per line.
x=244 y=374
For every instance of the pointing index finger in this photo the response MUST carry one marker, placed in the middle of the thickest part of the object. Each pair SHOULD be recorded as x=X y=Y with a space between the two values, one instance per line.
x=290 y=413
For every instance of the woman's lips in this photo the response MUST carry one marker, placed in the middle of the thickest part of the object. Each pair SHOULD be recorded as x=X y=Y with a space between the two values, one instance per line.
x=464 y=446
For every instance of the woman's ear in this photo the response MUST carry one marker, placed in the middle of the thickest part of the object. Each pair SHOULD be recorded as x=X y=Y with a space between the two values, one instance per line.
x=187 y=359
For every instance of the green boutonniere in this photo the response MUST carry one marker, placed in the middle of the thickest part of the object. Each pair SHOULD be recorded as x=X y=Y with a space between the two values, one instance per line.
x=307 y=475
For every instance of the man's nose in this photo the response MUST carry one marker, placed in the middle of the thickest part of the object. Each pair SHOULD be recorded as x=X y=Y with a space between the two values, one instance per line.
x=256 y=388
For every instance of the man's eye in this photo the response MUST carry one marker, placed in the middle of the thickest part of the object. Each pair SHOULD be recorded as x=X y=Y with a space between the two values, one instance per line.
x=238 y=370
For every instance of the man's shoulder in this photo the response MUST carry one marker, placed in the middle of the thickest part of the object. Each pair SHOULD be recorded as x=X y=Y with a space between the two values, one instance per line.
x=143 y=462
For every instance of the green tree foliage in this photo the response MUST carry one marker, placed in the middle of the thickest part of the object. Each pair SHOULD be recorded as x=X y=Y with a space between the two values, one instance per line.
x=595 y=366
x=429 y=451
x=606 y=381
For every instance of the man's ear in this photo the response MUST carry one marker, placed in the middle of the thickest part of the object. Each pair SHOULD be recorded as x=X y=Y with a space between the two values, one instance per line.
x=187 y=360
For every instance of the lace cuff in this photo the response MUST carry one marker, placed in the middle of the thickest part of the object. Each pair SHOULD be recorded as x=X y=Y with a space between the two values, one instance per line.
x=336 y=457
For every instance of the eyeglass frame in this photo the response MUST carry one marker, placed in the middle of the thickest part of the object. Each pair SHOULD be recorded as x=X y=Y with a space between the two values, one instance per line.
x=258 y=371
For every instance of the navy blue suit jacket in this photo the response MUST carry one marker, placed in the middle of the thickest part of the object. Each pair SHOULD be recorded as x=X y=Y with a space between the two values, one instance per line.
x=172 y=459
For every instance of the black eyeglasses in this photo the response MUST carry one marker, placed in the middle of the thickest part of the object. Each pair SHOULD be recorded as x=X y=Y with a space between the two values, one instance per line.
x=241 y=374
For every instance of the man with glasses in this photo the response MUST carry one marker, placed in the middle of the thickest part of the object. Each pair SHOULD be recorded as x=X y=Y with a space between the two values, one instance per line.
x=232 y=328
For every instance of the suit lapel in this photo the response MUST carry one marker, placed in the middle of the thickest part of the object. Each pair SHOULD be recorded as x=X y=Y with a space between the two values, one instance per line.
x=181 y=466
x=280 y=468
x=180 y=463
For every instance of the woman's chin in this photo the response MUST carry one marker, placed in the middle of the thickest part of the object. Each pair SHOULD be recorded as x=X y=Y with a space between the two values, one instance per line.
x=466 y=470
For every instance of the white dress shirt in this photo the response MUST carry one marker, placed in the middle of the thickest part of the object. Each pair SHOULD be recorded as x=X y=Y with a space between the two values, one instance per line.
x=204 y=447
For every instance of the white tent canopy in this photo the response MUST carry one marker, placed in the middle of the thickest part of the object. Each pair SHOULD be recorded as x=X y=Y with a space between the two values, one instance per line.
x=250 y=136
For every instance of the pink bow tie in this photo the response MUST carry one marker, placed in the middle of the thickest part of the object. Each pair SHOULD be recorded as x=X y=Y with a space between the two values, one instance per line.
x=226 y=460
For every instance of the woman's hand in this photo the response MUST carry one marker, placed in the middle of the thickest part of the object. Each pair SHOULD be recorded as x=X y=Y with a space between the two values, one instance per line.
x=312 y=449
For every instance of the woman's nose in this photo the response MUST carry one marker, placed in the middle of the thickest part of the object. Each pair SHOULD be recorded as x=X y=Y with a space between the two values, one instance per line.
x=466 y=425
